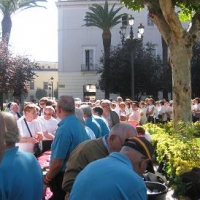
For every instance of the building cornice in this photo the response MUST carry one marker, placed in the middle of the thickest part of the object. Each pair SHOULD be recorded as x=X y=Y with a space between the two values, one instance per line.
x=88 y=3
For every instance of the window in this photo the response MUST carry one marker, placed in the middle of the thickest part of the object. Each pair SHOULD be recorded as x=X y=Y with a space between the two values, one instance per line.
x=45 y=85
x=88 y=59
x=149 y=22
x=32 y=85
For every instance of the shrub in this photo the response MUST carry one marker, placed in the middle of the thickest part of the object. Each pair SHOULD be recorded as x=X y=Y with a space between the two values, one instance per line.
x=176 y=151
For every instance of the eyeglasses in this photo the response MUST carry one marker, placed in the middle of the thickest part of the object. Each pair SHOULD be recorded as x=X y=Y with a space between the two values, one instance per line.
x=47 y=114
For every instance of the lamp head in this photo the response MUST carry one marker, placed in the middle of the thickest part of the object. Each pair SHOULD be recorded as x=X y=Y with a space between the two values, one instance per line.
x=131 y=20
x=141 y=29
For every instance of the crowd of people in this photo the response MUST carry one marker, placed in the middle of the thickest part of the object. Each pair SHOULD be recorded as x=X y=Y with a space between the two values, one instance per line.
x=99 y=150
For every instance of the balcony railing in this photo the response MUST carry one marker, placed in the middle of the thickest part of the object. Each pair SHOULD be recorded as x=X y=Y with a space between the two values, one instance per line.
x=89 y=67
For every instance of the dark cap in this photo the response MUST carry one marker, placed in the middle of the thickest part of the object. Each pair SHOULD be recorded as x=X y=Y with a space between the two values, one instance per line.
x=140 y=144
x=143 y=146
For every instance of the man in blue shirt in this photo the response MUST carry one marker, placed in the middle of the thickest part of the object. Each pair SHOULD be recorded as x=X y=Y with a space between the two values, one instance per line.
x=69 y=134
x=90 y=121
x=97 y=114
x=118 y=176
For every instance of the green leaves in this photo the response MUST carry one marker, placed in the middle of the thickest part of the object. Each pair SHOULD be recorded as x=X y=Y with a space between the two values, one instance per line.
x=185 y=7
x=100 y=16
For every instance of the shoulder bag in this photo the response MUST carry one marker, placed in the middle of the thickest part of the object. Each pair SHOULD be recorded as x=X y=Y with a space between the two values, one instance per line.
x=36 y=149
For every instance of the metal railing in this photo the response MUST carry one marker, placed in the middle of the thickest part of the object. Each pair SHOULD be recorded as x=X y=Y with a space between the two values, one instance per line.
x=89 y=67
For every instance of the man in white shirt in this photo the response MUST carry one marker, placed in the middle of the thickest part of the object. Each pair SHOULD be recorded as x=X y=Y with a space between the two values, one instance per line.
x=48 y=122
x=50 y=125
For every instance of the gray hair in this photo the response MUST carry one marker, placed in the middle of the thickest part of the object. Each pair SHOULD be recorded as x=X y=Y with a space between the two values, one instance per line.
x=87 y=110
x=66 y=103
x=12 y=134
x=79 y=115
x=13 y=104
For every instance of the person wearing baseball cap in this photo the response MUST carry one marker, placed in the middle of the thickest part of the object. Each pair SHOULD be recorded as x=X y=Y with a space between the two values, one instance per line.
x=117 y=176
x=145 y=148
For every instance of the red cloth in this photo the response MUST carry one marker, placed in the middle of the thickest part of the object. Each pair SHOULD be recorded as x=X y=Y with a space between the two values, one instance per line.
x=44 y=160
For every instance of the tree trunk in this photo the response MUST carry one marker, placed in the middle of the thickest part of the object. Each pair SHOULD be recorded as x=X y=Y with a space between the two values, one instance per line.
x=1 y=100
x=106 y=36
x=181 y=82
x=6 y=25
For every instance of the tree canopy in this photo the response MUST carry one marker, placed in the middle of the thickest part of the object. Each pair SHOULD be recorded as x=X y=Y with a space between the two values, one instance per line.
x=15 y=72
x=149 y=71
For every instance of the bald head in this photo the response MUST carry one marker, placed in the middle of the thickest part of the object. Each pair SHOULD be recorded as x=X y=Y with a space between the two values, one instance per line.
x=118 y=134
x=123 y=130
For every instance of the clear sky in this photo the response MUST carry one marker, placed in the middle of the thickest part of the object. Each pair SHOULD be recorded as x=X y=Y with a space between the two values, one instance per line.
x=34 y=33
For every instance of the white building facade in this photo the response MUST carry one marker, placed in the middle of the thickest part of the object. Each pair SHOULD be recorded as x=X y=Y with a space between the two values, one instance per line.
x=80 y=47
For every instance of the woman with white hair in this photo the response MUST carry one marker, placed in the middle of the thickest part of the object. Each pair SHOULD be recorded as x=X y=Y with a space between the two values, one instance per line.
x=20 y=174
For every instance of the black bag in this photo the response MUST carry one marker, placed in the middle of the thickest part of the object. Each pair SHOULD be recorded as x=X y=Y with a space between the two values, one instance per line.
x=37 y=150
x=46 y=145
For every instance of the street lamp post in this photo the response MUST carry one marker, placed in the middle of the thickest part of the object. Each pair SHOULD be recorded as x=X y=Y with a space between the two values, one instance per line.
x=49 y=87
x=122 y=33
x=52 y=96
x=132 y=38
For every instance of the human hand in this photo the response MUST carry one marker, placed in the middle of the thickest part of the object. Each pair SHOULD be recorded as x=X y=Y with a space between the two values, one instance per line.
x=38 y=136
x=32 y=140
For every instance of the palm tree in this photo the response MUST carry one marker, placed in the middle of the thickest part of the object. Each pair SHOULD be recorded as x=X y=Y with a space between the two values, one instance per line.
x=7 y=8
x=101 y=17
